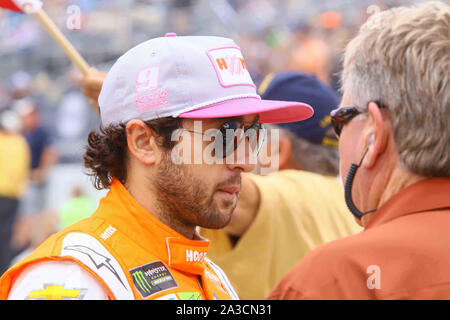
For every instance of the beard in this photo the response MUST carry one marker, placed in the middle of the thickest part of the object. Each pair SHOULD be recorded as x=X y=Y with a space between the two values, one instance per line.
x=185 y=199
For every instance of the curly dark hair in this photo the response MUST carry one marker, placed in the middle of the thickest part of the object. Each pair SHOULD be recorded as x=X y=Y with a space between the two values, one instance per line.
x=106 y=152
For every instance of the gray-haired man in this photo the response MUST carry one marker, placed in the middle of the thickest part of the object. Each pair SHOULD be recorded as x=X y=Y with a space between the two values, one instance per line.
x=393 y=125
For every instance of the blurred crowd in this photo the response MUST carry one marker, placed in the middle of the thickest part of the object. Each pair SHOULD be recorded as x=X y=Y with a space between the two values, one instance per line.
x=45 y=118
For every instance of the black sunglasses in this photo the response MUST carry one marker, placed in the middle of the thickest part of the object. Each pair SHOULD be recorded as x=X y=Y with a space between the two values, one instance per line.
x=343 y=115
x=230 y=134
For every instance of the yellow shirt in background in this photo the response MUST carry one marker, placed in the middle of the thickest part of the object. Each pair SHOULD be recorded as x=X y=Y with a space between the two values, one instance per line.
x=14 y=165
x=299 y=211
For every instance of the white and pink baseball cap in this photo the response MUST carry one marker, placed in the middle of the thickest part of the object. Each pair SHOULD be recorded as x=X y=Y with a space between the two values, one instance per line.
x=188 y=77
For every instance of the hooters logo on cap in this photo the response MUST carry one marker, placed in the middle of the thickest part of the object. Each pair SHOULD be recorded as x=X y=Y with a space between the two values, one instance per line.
x=230 y=66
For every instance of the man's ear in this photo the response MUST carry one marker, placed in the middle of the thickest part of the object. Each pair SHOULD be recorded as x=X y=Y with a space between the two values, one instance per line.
x=141 y=142
x=377 y=135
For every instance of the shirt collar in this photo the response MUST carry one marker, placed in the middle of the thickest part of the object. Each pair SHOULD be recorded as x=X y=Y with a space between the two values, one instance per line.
x=128 y=216
x=425 y=195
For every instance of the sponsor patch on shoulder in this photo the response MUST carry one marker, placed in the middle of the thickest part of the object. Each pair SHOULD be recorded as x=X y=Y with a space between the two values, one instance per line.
x=89 y=251
x=152 y=278
x=57 y=292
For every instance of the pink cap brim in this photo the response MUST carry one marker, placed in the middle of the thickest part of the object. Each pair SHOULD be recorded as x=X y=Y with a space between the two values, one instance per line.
x=270 y=111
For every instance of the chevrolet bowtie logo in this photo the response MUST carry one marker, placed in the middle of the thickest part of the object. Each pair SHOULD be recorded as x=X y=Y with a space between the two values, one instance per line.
x=55 y=292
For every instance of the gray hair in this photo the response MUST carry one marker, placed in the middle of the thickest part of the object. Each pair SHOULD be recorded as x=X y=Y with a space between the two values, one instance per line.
x=401 y=58
x=313 y=157
x=309 y=156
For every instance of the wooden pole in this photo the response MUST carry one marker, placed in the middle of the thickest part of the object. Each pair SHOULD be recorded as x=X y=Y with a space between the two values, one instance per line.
x=59 y=38
x=62 y=41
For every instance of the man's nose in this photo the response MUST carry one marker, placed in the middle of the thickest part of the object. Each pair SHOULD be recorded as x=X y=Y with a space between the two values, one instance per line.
x=243 y=158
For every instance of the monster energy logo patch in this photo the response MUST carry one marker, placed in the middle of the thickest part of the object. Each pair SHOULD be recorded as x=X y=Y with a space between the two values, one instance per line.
x=151 y=278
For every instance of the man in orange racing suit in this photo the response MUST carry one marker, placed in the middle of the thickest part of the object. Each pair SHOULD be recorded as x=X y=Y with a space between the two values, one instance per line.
x=181 y=121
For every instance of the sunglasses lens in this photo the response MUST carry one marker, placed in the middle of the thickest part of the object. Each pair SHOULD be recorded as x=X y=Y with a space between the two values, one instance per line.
x=337 y=127
x=256 y=134
x=231 y=134
x=341 y=116
x=227 y=139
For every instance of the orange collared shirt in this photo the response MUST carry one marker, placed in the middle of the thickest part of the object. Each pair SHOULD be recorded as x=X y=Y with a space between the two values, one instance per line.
x=132 y=254
x=404 y=253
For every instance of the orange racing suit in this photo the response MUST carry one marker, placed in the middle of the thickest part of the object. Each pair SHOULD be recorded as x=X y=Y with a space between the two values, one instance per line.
x=131 y=254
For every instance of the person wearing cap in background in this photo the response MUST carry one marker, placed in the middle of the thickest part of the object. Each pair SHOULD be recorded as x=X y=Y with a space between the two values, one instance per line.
x=394 y=145
x=181 y=120
x=284 y=215
x=14 y=171
x=310 y=145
